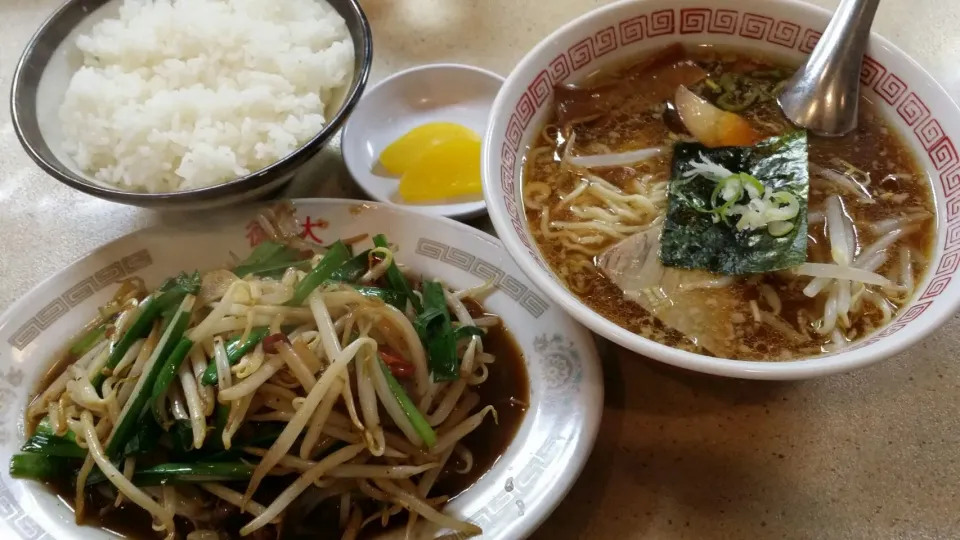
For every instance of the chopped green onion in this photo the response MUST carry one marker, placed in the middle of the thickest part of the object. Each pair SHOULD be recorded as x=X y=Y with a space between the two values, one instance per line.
x=419 y=423
x=779 y=228
x=790 y=208
x=139 y=401
x=46 y=428
x=146 y=438
x=395 y=298
x=467 y=331
x=730 y=190
x=170 y=294
x=264 y=434
x=215 y=439
x=736 y=102
x=752 y=185
x=89 y=341
x=270 y=259
x=40 y=467
x=352 y=270
x=396 y=278
x=235 y=351
x=181 y=473
x=181 y=436
x=53 y=446
x=760 y=212
x=264 y=251
x=168 y=374
x=436 y=332
x=336 y=256
x=149 y=311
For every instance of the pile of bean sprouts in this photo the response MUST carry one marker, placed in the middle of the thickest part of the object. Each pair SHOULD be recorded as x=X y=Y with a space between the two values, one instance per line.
x=343 y=437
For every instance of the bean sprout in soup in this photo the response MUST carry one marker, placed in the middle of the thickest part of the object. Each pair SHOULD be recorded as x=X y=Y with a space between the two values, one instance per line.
x=673 y=198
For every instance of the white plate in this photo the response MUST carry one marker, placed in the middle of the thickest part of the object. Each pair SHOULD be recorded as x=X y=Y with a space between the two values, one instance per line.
x=433 y=93
x=509 y=502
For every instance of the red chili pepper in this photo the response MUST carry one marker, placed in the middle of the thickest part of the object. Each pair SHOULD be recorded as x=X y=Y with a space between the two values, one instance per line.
x=398 y=366
x=270 y=342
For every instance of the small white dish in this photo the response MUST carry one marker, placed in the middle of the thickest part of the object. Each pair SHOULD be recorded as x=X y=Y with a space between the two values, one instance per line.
x=455 y=93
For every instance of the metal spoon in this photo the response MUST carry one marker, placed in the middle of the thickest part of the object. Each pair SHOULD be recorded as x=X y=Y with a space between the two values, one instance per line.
x=822 y=96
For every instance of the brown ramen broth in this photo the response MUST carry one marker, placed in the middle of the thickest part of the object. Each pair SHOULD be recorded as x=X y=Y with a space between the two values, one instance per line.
x=579 y=213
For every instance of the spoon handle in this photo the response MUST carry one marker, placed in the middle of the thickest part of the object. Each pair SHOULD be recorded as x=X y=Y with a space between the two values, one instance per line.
x=822 y=95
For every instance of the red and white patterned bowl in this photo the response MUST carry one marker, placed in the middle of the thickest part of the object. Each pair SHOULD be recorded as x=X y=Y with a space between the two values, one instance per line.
x=911 y=99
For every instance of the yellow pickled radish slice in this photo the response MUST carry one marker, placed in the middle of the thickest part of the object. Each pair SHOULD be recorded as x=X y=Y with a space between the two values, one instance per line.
x=404 y=152
x=449 y=169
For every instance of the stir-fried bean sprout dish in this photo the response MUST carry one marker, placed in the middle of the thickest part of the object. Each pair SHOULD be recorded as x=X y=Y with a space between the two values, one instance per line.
x=300 y=381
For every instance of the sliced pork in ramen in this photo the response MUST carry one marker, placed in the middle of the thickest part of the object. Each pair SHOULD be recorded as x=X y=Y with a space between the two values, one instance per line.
x=687 y=301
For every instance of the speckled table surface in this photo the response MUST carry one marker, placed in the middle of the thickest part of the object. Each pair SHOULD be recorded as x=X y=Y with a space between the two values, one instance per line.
x=869 y=455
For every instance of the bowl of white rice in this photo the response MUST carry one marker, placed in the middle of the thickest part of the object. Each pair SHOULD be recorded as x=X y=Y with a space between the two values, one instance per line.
x=188 y=104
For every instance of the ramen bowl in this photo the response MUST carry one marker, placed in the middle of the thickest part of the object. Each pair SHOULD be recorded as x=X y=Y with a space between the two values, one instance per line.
x=910 y=99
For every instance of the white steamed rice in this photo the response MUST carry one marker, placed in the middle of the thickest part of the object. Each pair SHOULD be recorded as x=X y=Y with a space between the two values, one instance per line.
x=183 y=94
